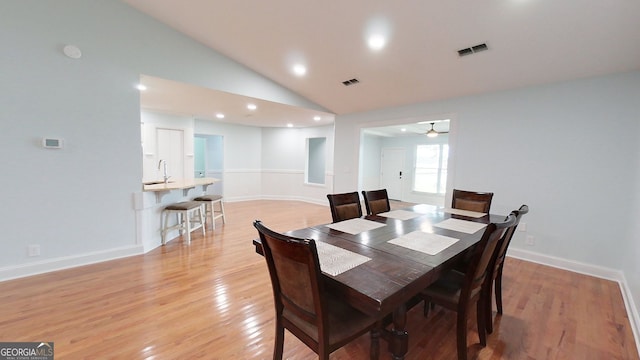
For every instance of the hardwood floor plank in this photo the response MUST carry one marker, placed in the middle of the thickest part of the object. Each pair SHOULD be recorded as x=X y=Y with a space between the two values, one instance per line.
x=212 y=300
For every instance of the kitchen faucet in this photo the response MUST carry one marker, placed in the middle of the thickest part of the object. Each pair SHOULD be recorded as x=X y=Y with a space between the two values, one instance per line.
x=161 y=162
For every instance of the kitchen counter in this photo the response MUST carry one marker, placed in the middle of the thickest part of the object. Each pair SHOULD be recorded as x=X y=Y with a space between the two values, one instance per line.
x=179 y=184
x=153 y=198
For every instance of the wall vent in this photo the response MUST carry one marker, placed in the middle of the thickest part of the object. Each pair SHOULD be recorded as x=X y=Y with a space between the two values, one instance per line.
x=350 y=82
x=473 y=49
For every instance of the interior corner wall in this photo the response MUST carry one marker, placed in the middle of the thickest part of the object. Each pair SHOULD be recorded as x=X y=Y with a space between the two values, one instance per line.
x=284 y=162
x=76 y=203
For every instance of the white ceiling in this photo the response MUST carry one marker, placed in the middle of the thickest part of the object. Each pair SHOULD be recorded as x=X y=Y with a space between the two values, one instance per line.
x=181 y=99
x=530 y=42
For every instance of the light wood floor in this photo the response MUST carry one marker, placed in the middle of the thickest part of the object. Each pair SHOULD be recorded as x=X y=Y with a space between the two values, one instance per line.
x=213 y=300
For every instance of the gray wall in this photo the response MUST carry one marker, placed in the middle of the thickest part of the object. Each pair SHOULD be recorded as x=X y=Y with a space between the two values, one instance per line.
x=568 y=150
x=77 y=202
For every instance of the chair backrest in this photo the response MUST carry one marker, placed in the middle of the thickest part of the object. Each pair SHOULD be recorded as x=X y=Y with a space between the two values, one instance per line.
x=478 y=268
x=376 y=201
x=295 y=274
x=345 y=206
x=471 y=200
x=501 y=251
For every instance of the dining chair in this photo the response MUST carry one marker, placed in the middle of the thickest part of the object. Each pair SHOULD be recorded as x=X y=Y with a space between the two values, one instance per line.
x=345 y=206
x=458 y=291
x=303 y=305
x=495 y=278
x=471 y=200
x=376 y=201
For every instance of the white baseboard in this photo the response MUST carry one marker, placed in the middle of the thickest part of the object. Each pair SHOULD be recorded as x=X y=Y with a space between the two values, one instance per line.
x=592 y=270
x=277 y=198
x=40 y=267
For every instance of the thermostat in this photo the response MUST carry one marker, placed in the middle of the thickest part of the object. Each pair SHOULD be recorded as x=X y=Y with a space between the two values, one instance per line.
x=51 y=143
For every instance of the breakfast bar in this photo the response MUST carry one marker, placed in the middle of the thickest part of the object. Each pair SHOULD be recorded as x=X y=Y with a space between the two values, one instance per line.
x=160 y=188
x=154 y=197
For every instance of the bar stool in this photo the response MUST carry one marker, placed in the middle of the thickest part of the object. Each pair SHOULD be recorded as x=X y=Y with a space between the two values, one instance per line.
x=190 y=217
x=210 y=210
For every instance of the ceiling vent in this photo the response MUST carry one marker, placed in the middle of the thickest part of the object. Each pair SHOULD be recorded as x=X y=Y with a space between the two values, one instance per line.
x=350 y=82
x=472 y=50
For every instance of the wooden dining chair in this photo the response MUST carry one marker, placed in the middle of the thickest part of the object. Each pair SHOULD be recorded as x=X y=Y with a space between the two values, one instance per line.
x=345 y=206
x=471 y=200
x=303 y=305
x=376 y=201
x=458 y=291
x=497 y=264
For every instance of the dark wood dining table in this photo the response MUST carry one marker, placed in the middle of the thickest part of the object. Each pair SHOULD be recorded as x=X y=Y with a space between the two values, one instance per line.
x=387 y=283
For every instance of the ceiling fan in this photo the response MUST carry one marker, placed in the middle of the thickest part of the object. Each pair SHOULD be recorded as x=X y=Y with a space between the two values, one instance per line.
x=433 y=133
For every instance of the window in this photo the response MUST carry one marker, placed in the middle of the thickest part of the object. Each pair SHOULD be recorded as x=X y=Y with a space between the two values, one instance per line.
x=431 y=168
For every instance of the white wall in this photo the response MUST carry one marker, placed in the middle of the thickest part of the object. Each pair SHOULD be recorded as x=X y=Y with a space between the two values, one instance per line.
x=369 y=166
x=283 y=163
x=269 y=163
x=567 y=150
x=152 y=121
x=242 y=146
x=77 y=202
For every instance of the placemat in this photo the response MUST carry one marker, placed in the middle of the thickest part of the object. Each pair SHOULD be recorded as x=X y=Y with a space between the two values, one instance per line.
x=464 y=226
x=355 y=226
x=335 y=260
x=424 y=242
x=400 y=214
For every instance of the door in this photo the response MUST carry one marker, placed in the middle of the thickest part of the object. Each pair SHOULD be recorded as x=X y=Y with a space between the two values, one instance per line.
x=392 y=171
x=171 y=149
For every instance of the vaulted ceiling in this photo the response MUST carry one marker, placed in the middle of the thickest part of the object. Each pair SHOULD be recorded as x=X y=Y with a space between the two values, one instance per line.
x=529 y=42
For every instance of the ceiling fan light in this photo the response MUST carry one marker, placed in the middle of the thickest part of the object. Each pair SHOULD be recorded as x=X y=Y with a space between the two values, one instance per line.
x=432 y=133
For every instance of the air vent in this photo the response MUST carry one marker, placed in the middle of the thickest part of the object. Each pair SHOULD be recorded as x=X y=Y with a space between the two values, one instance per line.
x=350 y=82
x=472 y=50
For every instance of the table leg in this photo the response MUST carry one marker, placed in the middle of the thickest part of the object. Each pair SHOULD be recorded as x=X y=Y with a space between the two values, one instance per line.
x=399 y=339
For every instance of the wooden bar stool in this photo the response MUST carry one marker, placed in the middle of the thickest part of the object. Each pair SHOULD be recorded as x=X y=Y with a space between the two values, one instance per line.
x=210 y=210
x=190 y=217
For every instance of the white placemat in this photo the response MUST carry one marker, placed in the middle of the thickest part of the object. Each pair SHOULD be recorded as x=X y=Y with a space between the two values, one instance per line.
x=424 y=242
x=464 y=226
x=335 y=260
x=473 y=214
x=400 y=214
x=355 y=226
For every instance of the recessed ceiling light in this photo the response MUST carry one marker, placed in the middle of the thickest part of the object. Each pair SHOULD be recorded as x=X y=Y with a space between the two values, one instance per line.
x=376 y=42
x=289 y=125
x=72 y=51
x=403 y=129
x=299 y=69
x=377 y=32
x=316 y=118
x=252 y=106
x=141 y=87
x=220 y=115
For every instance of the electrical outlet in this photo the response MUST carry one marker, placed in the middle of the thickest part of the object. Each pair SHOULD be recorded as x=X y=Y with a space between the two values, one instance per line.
x=522 y=227
x=34 y=250
x=530 y=240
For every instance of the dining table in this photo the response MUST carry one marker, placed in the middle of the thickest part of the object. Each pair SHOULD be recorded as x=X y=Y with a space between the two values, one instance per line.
x=380 y=263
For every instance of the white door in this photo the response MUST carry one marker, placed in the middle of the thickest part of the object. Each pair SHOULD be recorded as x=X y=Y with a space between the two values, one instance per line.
x=171 y=149
x=392 y=171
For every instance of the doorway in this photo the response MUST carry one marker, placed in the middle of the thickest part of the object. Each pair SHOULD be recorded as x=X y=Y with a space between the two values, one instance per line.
x=208 y=159
x=170 y=149
x=389 y=147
